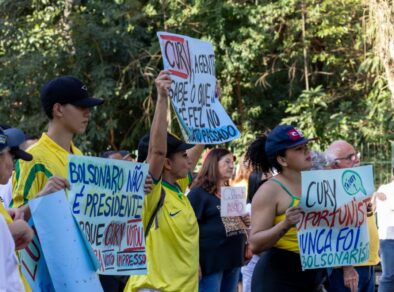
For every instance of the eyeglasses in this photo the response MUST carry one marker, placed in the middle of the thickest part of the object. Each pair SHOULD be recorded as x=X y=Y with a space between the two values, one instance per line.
x=351 y=157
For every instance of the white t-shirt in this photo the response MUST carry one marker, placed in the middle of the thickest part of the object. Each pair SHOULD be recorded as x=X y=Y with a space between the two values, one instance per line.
x=10 y=280
x=385 y=212
x=6 y=193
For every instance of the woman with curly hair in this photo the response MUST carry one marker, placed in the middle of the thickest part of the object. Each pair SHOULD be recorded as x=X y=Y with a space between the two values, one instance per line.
x=275 y=212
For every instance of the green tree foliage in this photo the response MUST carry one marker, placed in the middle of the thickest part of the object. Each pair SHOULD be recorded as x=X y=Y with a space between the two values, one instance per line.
x=302 y=62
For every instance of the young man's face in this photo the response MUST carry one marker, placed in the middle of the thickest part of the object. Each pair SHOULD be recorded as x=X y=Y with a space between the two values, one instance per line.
x=180 y=164
x=6 y=167
x=75 y=118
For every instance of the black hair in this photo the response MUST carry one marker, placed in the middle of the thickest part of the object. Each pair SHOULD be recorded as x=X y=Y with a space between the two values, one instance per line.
x=48 y=110
x=31 y=137
x=257 y=158
x=108 y=153
x=254 y=182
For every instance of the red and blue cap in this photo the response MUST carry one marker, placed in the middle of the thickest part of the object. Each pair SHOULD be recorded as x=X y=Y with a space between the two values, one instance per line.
x=283 y=137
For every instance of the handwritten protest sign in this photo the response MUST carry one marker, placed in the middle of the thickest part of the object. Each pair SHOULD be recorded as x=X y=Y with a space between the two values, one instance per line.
x=106 y=198
x=334 y=229
x=191 y=62
x=34 y=266
x=233 y=201
x=67 y=258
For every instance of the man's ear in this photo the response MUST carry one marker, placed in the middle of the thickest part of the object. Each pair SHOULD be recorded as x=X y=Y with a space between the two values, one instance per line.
x=57 y=110
x=167 y=164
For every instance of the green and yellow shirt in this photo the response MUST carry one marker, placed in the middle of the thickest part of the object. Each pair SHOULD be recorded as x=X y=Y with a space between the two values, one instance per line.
x=30 y=177
x=172 y=248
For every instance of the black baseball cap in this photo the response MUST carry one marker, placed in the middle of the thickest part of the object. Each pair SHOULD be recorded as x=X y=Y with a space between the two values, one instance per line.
x=10 y=140
x=284 y=137
x=174 y=144
x=67 y=89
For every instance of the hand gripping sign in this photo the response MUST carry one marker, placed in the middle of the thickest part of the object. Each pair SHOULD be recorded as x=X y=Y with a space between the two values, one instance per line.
x=191 y=63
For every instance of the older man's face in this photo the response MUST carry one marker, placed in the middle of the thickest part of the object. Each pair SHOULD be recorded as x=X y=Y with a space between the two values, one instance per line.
x=347 y=157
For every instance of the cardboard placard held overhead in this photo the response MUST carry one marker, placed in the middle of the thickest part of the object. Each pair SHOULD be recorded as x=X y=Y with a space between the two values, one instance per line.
x=191 y=63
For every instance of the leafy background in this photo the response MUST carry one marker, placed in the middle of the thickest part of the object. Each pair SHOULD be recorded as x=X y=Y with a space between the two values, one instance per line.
x=307 y=62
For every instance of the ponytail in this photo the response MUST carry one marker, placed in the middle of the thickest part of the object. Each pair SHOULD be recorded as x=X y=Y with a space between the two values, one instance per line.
x=257 y=158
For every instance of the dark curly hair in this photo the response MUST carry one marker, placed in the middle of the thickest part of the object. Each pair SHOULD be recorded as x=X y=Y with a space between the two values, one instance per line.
x=257 y=158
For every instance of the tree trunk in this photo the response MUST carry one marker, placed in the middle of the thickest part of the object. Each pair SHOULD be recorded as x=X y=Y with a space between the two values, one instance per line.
x=381 y=26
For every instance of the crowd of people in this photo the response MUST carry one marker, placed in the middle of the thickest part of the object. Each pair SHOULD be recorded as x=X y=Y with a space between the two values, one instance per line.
x=189 y=245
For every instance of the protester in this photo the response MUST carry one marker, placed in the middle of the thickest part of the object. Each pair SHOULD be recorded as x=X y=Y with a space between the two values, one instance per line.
x=222 y=239
x=6 y=189
x=22 y=234
x=172 y=239
x=361 y=277
x=10 y=280
x=66 y=103
x=385 y=213
x=275 y=212
x=10 y=140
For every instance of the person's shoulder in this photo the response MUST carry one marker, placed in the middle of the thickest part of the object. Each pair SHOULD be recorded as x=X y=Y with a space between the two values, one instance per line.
x=267 y=192
x=387 y=188
x=198 y=190
x=270 y=188
x=38 y=149
x=157 y=185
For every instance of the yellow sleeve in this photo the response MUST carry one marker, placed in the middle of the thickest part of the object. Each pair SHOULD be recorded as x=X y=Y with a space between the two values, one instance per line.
x=150 y=202
x=28 y=179
x=5 y=214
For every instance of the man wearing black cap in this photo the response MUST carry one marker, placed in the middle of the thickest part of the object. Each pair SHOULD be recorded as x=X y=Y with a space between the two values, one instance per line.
x=10 y=139
x=66 y=103
x=172 y=241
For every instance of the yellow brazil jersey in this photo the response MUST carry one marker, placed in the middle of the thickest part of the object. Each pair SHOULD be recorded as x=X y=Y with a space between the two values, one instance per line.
x=30 y=177
x=373 y=243
x=172 y=248
x=4 y=213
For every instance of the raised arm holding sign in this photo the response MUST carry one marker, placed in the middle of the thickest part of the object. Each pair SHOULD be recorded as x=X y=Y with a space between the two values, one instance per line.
x=173 y=235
